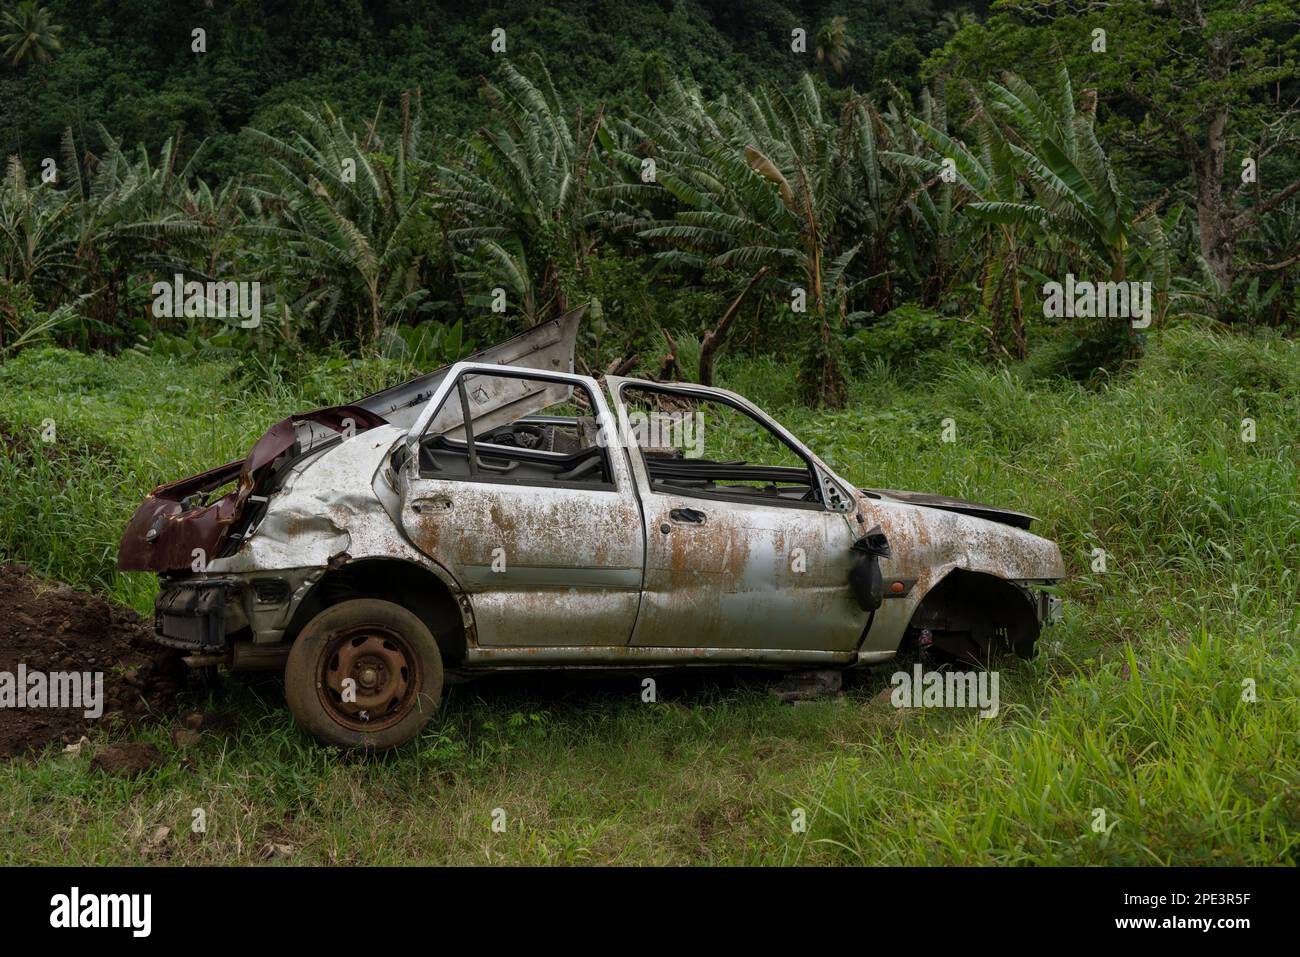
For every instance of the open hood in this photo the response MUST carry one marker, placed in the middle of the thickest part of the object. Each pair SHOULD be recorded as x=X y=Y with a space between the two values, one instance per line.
x=179 y=518
x=1004 y=516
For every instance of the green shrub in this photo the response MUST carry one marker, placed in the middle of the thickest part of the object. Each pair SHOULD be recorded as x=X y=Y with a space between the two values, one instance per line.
x=912 y=335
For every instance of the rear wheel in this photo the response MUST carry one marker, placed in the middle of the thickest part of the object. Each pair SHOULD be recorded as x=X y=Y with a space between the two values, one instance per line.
x=364 y=674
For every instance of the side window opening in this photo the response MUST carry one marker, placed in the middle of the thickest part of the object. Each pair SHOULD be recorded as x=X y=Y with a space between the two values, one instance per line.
x=704 y=446
x=520 y=431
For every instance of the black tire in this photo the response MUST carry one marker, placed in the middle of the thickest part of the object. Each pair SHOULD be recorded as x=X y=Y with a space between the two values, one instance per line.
x=393 y=662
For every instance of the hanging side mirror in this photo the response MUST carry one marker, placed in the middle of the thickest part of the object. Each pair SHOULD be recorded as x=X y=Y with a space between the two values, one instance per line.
x=866 y=581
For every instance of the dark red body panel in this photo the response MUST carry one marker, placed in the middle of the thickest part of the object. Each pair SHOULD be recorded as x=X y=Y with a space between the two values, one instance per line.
x=162 y=534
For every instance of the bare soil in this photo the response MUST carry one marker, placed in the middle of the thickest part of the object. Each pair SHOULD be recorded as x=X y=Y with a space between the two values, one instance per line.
x=49 y=626
x=127 y=759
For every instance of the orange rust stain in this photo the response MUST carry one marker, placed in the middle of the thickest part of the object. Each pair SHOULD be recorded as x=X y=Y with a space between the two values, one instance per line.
x=501 y=519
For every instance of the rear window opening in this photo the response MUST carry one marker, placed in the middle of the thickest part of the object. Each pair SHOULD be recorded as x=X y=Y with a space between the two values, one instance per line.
x=557 y=444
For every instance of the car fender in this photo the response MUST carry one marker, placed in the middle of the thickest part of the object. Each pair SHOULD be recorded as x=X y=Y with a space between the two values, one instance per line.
x=928 y=544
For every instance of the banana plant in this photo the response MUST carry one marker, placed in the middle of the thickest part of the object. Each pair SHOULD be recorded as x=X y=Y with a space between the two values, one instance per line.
x=82 y=233
x=761 y=186
x=981 y=174
x=1075 y=192
x=349 y=226
x=518 y=202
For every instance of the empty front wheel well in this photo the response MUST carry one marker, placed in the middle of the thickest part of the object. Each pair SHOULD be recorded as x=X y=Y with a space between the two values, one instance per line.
x=401 y=582
x=977 y=613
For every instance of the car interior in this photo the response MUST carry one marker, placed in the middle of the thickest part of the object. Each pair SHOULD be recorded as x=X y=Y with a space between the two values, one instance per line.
x=560 y=446
x=557 y=446
x=741 y=442
x=533 y=450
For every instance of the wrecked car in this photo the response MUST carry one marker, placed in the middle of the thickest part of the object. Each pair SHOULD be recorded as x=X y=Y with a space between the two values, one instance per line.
x=507 y=513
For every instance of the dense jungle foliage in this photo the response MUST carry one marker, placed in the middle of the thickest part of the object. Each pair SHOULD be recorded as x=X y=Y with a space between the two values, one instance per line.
x=831 y=182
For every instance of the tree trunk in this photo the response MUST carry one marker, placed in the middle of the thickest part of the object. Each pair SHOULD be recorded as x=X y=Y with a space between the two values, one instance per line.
x=1017 y=305
x=1218 y=234
x=714 y=338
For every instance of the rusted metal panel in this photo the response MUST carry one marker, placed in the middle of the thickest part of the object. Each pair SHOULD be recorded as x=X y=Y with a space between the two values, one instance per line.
x=541 y=565
x=578 y=656
x=336 y=507
x=324 y=507
x=165 y=530
x=748 y=576
x=928 y=543
x=751 y=575
x=1004 y=516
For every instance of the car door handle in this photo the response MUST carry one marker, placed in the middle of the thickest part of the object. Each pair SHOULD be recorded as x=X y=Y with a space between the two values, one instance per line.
x=434 y=504
x=692 y=515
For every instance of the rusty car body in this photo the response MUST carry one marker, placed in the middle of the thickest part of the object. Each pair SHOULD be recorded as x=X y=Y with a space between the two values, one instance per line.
x=445 y=526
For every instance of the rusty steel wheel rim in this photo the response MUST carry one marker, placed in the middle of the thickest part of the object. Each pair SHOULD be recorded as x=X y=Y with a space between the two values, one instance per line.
x=386 y=675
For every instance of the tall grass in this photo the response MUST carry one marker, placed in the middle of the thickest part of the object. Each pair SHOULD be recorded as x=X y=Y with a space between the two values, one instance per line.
x=1139 y=709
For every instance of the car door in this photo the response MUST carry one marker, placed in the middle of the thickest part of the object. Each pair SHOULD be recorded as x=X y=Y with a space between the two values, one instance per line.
x=736 y=566
x=547 y=543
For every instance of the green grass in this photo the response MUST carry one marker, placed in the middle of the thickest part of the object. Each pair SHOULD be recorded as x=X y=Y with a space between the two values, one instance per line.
x=1135 y=705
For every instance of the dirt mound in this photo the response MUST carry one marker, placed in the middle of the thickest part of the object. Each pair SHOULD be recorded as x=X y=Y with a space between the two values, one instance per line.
x=127 y=760
x=50 y=627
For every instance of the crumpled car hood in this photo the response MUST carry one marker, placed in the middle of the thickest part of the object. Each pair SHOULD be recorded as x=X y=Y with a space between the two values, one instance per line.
x=1004 y=516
